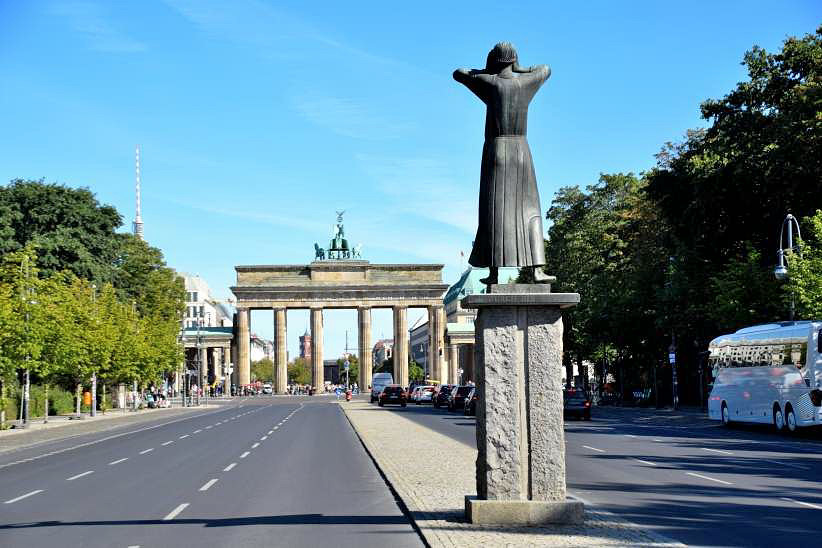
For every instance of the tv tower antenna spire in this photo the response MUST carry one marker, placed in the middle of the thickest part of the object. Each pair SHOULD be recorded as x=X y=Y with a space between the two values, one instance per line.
x=138 y=220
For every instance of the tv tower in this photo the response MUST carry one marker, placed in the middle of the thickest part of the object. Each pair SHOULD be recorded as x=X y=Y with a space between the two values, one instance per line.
x=138 y=220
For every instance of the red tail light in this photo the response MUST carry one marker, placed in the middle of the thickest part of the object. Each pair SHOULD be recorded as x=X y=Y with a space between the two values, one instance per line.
x=587 y=404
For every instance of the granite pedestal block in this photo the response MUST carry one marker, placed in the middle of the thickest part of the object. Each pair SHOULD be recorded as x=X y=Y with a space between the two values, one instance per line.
x=520 y=438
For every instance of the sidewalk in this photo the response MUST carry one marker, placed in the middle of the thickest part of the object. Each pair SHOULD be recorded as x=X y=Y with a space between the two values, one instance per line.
x=60 y=427
x=431 y=473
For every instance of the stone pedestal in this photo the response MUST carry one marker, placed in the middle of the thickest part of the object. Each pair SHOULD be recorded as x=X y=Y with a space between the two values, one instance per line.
x=520 y=438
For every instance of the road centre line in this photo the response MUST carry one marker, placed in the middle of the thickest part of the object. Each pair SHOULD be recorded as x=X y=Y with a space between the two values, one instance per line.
x=264 y=438
x=229 y=467
x=244 y=455
x=149 y=450
x=694 y=474
x=644 y=461
x=208 y=484
x=198 y=431
x=169 y=442
x=629 y=436
x=276 y=427
x=256 y=445
x=657 y=439
x=174 y=513
x=118 y=461
x=717 y=451
x=72 y=478
x=184 y=436
x=207 y=427
x=21 y=497
x=593 y=448
x=808 y=504
x=270 y=432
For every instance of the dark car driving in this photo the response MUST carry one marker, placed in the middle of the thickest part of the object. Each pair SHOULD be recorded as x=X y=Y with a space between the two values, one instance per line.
x=441 y=397
x=576 y=404
x=393 y=393
x=456 y=400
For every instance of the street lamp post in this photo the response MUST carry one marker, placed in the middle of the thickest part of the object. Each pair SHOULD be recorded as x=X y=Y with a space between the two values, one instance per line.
x=781 y=270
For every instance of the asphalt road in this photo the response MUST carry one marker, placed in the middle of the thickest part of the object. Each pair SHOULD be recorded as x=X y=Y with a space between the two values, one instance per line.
x=264 y=471
x=683 y=476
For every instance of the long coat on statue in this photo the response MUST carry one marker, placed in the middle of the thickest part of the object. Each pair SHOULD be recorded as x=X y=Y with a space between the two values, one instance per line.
x=509 y=232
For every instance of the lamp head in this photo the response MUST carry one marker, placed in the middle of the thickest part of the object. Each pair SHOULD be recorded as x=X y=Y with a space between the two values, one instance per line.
x=780 y=272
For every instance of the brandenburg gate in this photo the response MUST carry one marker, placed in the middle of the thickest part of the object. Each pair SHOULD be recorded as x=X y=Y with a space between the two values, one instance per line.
x=339 y=279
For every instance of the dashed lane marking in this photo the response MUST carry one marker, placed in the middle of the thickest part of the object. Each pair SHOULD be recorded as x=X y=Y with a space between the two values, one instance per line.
x=169 y=442
x=694 y=474
x=207 y=427
x=184 y=436
x=264 y=438
x=174 y=513
x=198 y=431
x=629 y=436
x=229 y=467
x=256 y=445
x=808 y=504
x=645 y=462
x=208 y=484
x=149 y=450
x=270 y=432
x=244 y=455
x=21 y=497
x=594 y=448
x=118 y=461
x=717 y=451
x=72 y=478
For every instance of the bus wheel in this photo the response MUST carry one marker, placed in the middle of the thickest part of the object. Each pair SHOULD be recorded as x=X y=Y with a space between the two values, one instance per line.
x=790 y=419
x=726 y=416
x=778 y=418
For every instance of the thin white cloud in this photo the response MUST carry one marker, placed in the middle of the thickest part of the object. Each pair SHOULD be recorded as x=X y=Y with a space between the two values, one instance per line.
x=426 y=187
x=90 y=20
x=347 y=117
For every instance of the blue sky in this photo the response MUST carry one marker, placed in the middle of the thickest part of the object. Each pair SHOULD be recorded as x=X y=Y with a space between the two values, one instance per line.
x=257 y=120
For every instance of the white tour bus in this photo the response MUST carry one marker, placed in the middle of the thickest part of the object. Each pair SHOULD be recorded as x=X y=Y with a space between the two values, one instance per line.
x=769 y=374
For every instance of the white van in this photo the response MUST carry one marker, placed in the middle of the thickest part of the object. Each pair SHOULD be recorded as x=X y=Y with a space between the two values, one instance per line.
x=378 y=382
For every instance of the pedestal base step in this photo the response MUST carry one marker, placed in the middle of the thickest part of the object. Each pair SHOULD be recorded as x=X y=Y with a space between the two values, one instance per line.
x=523 y=512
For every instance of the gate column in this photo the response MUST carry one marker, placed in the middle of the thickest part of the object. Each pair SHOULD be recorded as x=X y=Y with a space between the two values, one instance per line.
x=401 y=345
x=243 y=348
x=366 y=367
x=317 y=349
x=436 y=334
x=280 y=354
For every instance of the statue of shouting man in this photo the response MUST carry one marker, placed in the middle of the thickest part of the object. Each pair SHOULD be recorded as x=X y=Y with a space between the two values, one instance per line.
x=509 y=232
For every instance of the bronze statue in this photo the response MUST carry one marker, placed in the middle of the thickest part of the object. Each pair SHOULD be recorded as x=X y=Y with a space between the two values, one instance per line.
x=509 y=232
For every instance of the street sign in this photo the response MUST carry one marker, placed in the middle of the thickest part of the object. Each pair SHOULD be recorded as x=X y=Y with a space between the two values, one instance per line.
x=347 y=365
x=672 y=357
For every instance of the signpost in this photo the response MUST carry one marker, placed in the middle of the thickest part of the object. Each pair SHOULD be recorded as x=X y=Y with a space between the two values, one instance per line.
x=672 y=361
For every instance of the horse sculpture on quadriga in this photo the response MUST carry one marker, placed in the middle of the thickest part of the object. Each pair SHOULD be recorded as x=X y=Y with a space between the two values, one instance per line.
x=319 y=253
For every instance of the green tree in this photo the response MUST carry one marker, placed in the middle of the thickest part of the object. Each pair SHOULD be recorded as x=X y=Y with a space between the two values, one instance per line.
x=415 y=372
x=804 y=283
x=353 y=371
x=69 y=228
x=299 y=372
x=262 y=370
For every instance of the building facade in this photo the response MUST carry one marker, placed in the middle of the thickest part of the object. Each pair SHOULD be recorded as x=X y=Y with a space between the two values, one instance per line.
x=305 y=346
x=383 y=349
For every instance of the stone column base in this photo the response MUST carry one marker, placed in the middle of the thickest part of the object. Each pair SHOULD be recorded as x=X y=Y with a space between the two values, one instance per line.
x=523 y=512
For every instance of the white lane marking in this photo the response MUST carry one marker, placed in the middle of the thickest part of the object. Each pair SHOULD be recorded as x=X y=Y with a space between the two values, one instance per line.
x=169 y=442
x=694 y=474
x=270 y=432
x=244 y=455
x=229 y=467
x=134 y=546
x=149 y=450
x=184 y=436
x=276 y=427
x=106 y=438
x=256 y=445
x=645 y=462
x=629 y=436
x=264 y=438
x=72 y=478
x=198 y=431
x=657 y=439
x=808 y=504
x=118 y=461
x=21 y=497
x=593 y=448
x=174 y=513
x=717 y=451
x=208 y=484
x=207 y=427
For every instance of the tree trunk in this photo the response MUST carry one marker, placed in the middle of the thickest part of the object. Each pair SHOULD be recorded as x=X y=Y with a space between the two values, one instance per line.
x=78 y=395
x=46 y=410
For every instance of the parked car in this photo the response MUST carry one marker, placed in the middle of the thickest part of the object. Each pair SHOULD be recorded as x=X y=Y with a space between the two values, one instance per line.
x=576 y=403
x=470 y=408
x=378 y=382
x=414 y=394
x=441 y=397
x=393 y=393
x=456 y=400
x=425 y=394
